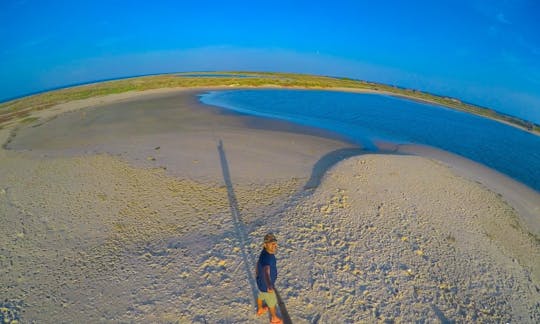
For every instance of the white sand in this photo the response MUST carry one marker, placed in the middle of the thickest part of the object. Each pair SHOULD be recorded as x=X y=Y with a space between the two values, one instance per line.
x=116 y=238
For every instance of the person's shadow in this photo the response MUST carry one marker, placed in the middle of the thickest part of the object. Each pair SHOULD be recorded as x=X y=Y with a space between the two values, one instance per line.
x=241 y=234
x=240 y=230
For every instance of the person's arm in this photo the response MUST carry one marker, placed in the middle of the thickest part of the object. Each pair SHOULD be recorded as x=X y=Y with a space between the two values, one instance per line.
x=266 y=276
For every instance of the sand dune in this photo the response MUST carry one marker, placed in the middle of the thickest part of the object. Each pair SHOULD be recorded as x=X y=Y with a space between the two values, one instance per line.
x=165 y=227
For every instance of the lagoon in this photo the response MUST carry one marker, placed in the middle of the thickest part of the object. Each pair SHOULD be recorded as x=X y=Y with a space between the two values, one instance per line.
x=366 y=118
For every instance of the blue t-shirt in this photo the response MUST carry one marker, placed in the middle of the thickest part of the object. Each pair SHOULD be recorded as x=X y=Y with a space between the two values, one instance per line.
x=266 y=259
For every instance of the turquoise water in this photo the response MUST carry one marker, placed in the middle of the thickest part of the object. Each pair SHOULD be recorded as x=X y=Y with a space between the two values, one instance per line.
x=366 y=118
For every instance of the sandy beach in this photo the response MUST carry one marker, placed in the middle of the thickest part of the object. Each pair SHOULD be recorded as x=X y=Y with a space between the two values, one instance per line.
x=150 y=207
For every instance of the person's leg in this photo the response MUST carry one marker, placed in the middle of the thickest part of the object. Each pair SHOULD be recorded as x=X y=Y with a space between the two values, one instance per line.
x=271 y=301
x=273 y=313
x=260 y=308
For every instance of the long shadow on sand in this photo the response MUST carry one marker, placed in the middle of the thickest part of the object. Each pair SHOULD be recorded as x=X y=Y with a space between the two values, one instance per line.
x=241 y=234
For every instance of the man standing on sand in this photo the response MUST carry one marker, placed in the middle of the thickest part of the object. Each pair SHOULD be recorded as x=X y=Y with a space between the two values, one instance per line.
x=266 y=273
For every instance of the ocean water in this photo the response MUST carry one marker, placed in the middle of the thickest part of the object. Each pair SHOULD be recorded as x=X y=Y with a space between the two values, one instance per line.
x=367 y=118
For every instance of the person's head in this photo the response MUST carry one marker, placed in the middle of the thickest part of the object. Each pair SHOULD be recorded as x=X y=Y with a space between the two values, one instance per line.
x=270 y=243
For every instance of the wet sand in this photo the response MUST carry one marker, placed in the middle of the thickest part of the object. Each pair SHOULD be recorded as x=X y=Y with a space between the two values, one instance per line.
x=115 y=213
x=172 y=130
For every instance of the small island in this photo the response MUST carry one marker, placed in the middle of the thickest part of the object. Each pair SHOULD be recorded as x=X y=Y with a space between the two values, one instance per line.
x=132 y=201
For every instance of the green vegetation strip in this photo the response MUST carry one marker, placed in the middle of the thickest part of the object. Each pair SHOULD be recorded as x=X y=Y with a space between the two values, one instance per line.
x=24 y=106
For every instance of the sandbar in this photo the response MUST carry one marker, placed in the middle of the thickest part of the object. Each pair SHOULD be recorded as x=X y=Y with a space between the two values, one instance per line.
x=115 y=213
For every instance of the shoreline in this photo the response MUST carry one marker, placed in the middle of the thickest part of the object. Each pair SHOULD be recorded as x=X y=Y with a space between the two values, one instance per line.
x=525 y=200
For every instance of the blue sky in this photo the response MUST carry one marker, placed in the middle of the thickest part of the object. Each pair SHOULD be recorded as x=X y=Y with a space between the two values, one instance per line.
x=484 y=52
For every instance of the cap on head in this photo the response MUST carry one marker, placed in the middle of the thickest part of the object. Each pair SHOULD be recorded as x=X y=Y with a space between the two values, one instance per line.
x=270 y=237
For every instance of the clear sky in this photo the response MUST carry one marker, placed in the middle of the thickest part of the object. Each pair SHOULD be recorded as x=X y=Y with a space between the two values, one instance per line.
x=484 y=52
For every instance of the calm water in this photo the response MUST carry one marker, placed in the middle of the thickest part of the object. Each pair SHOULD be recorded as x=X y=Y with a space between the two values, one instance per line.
x=366 y=118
